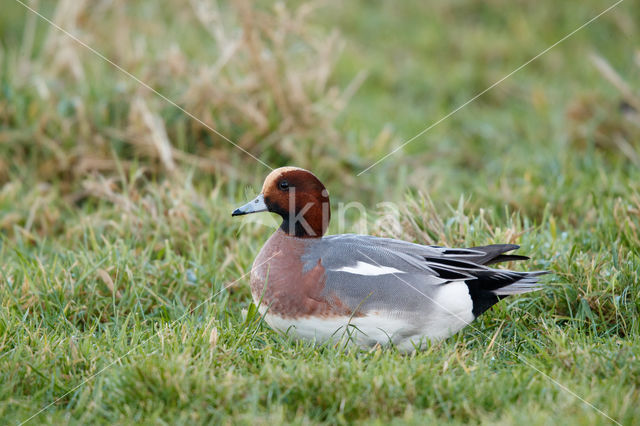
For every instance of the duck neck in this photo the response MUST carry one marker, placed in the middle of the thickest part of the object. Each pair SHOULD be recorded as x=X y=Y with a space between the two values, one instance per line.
x=311 y=221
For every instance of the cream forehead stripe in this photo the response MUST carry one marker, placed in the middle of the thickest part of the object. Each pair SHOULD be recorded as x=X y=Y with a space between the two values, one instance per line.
x=274 y=175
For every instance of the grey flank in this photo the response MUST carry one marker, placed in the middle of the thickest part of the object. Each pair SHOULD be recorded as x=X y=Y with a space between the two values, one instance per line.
x=426 y=270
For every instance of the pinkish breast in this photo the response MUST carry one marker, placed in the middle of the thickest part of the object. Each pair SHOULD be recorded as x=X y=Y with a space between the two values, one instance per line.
x=279 y=282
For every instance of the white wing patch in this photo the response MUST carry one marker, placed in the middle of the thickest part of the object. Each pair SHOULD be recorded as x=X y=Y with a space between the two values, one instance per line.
x=363 y=268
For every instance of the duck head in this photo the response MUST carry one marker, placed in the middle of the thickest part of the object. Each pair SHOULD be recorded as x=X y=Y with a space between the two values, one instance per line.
x=298 y=196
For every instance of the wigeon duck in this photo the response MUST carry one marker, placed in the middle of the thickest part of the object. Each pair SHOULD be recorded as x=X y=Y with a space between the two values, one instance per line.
x=375 y=290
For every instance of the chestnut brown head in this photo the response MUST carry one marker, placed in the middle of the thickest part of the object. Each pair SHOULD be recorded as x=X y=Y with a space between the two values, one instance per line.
x=298 y=197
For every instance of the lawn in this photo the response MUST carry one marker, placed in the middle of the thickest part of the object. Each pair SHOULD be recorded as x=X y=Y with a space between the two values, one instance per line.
x=123 y=278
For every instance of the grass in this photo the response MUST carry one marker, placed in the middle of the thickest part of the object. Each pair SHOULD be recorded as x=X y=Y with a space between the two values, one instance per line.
x=117 y=245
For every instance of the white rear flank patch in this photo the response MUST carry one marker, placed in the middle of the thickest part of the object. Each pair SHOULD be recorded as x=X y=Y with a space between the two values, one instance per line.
x=450 y=310
x=363 y=268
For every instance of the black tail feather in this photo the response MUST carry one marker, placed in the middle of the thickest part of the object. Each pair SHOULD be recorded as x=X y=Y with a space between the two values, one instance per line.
x=495 y=253
x=487 y=286
x=506 y=258
x=490 y=286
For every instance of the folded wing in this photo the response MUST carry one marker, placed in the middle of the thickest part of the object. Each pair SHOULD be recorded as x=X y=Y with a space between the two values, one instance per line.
x=371 y=274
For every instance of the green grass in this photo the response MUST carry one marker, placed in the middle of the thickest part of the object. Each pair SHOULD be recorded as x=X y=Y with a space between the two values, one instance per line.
x=113 y=269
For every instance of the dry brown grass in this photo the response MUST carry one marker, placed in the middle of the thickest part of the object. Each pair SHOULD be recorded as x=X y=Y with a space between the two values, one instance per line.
x=419 y=219
x=592 y=119
x=265 y=83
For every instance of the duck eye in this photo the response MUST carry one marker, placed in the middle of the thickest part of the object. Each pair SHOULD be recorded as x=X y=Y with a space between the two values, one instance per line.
x=284 y=185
